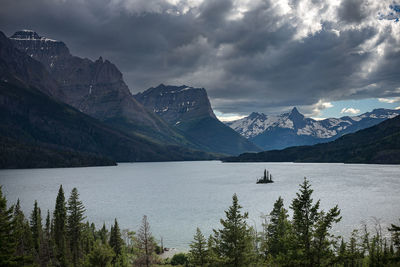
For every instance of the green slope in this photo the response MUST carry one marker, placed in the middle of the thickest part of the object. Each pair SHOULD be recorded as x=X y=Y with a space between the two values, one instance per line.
x=379 y=144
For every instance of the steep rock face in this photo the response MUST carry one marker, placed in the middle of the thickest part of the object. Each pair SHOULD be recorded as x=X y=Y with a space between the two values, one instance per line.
x=293 y=129
x=177 y=103
x=96 y=87
x=18 y=68
x=189 y=110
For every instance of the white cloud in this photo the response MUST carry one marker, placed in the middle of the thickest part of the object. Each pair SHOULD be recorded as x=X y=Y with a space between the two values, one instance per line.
x=350 y=110
x=389 y=100
x=228 y=116
x=397 y=108
x=318 y=107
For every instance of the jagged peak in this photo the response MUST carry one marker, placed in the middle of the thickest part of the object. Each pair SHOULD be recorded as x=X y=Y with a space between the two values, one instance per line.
x=255 y=115
x=294 y=111
x=30 y=35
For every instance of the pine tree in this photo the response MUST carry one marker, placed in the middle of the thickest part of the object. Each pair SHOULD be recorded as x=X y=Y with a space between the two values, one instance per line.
x=198 y=249
x=102 y=234
x=277 y=230
x=305 y=216
x=212 y=259
x=47 y=240
x=23 y=236
x=234 y=242
x=60 y=220
x=342 y=253
x=145 y=244
x=311 y=227
x=7 y=240
x=74 y=225
x=36 y=228
x=116 y=242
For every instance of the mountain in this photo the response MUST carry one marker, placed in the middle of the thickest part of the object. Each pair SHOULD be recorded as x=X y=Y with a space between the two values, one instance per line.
x=294 y=129
x=96 y=88
x=189 y=110
x=38 y=130
x=31 y=119
x=379 y=144
x=20 y=69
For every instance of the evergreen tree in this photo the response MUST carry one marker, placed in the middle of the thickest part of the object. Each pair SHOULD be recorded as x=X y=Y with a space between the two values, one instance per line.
x=116 y=242
x=277 y=231
x=322 y=240
x=47 y=240
x=102 y=234
x=212 y=259
x=60 y=221
x=88 y=237
x=7 y=241
x=234 y=241
x=23 y=236
x=305 y=216
x=198 y=249
x=311 y=228
x=74 y=225
x=342 y=253
x=36 y=228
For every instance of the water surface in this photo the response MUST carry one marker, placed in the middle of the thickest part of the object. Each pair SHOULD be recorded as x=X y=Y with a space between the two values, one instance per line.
x=179 y=196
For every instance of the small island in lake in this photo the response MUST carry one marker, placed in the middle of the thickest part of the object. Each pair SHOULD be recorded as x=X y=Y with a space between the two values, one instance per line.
x=267 y=179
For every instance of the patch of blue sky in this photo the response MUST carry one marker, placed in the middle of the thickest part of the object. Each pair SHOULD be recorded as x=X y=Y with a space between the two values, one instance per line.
x=349 y=107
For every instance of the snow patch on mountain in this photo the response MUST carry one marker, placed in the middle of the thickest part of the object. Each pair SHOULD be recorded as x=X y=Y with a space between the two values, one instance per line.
x=258 y=123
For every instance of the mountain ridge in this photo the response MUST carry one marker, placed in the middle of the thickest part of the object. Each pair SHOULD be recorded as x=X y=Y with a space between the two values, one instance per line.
x=379 y=144
x=294 y=129
x=96 y=88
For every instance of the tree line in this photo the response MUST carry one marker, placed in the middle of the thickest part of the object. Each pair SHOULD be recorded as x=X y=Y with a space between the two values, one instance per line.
x=304 y=239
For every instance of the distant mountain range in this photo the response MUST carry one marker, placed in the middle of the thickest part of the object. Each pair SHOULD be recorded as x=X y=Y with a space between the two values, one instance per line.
x=379 y=144
x=294 y=129
x=188 y=109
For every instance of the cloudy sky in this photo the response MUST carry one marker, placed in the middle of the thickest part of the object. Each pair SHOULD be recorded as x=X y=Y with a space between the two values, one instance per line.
x=328 y=58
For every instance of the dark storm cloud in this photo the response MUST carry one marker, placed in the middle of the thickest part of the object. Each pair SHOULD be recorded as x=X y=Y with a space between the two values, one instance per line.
x=353 y=11
x=262 y=56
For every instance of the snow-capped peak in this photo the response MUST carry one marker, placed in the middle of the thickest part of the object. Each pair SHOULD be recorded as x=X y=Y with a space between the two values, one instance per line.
x=30 y=35
x=259 y=123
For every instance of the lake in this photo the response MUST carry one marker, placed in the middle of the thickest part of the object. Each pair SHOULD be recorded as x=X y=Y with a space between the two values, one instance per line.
x=177 y=197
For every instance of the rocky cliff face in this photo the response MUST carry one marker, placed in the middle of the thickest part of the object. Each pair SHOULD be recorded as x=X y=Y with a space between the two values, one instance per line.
x=177 y=103
x=293 y=129
x=96 y=87
x=20 y=69
x=188 y=109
